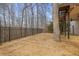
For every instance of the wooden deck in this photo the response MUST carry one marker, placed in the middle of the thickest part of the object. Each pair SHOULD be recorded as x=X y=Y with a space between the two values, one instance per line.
x=42 y=45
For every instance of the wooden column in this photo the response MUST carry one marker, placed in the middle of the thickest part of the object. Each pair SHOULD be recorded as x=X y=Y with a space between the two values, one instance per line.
x=0 y=32
x=68 y=26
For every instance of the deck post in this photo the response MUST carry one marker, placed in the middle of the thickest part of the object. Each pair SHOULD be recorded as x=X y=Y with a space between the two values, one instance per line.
x=68 y=26
x=0 y=33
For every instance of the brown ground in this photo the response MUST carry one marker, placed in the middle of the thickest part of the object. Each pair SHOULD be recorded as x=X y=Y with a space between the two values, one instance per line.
x=41 y=44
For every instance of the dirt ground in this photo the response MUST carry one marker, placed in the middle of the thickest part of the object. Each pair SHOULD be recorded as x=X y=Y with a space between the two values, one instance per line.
x=41 y=44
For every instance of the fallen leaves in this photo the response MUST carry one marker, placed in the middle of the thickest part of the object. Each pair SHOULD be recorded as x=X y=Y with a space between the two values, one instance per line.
x=40 y=44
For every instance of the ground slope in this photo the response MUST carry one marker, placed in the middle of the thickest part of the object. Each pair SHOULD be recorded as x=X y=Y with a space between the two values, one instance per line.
x=41 y=44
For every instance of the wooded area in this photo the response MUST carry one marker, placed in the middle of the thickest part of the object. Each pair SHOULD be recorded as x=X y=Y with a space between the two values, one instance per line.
x=29 y=19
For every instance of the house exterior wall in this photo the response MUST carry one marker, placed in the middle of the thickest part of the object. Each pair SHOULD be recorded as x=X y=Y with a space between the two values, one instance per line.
x=74 y=27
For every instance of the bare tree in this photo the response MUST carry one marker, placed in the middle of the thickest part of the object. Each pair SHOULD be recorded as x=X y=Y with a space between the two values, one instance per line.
x=56 y=22
x=9 y=21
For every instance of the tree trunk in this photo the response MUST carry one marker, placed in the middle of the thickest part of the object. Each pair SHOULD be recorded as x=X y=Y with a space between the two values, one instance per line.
x=56 y=30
